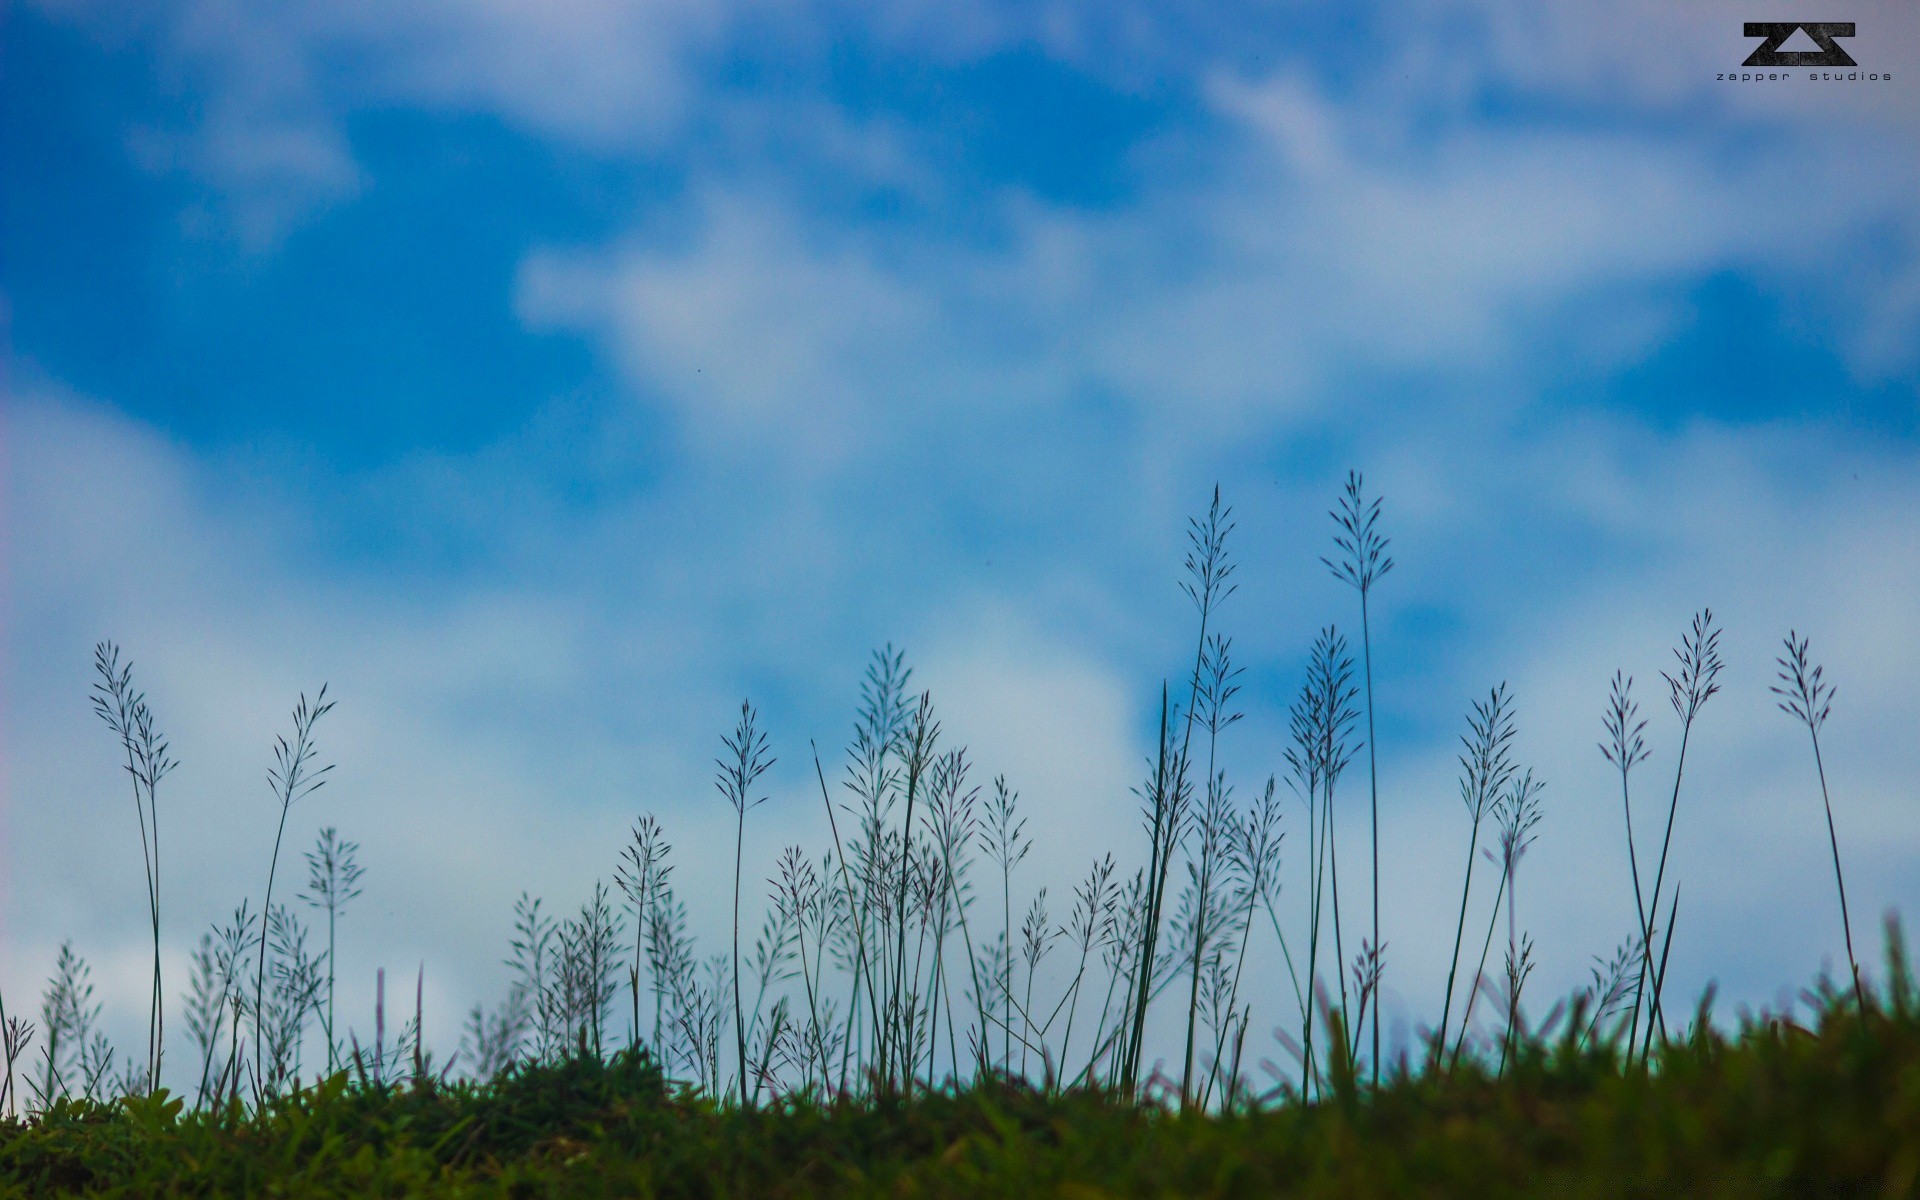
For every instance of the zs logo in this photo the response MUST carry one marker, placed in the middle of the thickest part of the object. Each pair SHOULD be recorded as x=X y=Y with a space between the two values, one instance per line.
x=1769 y=53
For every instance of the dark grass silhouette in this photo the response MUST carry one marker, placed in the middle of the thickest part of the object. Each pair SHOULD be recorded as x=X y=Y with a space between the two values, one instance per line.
x=890 y=1029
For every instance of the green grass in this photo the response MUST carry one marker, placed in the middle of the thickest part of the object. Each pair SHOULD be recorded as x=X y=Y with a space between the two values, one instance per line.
x=1769 y=1108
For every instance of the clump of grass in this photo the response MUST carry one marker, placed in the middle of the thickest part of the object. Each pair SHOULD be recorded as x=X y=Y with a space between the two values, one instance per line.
x=216 y=1003
x=856 y=994
x=1168 y=792
x=1254 y=860
x=581 y=975
x=1094 y=899
x=1817 y=1101
x=74 y=1056
x=642 y=877
x=1207 y=912
x=15 y=1036
x=1321 y=722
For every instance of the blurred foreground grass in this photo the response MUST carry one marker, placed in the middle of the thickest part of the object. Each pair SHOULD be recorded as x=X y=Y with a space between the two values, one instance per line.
x=1767 y=1108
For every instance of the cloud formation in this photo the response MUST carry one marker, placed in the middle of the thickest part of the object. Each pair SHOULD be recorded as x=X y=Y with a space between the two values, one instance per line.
x=861 y=388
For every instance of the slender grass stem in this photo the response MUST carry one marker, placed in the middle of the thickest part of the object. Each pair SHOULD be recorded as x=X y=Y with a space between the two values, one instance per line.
x=747 y=760
x=1486 y=768
x=1373 y=805
x=291 y=781
x=1363 y=561
x=1625 y=748
x=1807 y=697
x=1840 y=879
x=1694 y=683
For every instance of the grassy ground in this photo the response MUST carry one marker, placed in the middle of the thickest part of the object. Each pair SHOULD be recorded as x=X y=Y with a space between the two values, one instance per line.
x=910 y=918
x=1769 y=1109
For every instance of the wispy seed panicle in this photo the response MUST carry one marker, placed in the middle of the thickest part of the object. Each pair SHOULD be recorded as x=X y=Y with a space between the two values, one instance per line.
x=884 y=705
x=1697 y=678
x=1003 y=835
x=1254 y=851
x=291 y=776
x=1486 y=761
x=1363 y=551
x=1323 y=716
x=1219 y=684
x=1804 y=695
x=127 y=715
x=1808 y=699
x=1625 y=748
x=747 y=760
x=1209 y=567
x=1517 y=812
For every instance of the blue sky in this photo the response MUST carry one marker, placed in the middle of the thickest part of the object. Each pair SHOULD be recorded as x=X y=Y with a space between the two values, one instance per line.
x=547 y=378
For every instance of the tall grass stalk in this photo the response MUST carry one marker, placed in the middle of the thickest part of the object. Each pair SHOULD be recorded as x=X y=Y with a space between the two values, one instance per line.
x=797 y=899
x=642 y=877
x=1267 y=817
x=1321 y=723
x=333 y=880
x=1211 y=834
x=870 y=859
x=1209 y=582
x=1093 y=908
x=1516 y=813
x=1362 y=562
x=6 y=1048
x=857 y=914
x=1165 y=798
x=15 y=1036
x=291 y=779
x=1808 y=698
x=1253 y=860
x=1693 y=682
x=1486 y=768
x=148 y=760
x=1003 y=835
x=952 y=825
x=895 y=1049
x=747 y=760
x=1626 y=748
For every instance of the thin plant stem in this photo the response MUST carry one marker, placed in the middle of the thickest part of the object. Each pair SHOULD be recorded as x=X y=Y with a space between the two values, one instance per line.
x=747 y=761
x=1626 y=748
x=1486 y=767
x=291 y=781
x=1806 y=696
x=1690 y=687
x=1363 y=561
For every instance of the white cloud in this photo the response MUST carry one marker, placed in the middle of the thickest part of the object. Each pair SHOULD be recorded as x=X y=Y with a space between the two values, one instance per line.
x=752 y=333
x=875 y=411
x=1238 y=291
x=600 y=72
